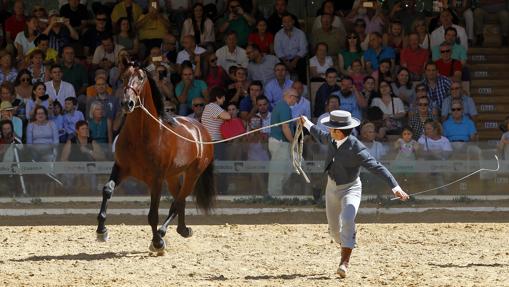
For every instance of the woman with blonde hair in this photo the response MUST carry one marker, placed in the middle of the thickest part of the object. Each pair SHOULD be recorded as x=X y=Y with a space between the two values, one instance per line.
x=99 y=125
x=421 y=28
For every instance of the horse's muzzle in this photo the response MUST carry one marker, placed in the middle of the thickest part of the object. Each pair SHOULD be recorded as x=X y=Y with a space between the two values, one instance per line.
x=128 y=106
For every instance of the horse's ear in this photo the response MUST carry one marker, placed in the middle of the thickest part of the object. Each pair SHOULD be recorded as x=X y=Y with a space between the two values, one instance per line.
x=125 y=60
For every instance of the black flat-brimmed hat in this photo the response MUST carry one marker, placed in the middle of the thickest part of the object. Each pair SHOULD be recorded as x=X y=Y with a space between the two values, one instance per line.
x=342 y=120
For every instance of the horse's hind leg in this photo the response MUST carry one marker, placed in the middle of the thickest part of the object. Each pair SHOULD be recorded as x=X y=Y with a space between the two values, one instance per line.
x=158 y=245
x=180 y=202
x=102 y=231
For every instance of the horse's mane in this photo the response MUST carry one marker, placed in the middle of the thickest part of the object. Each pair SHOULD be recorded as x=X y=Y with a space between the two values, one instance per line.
x=156 y=95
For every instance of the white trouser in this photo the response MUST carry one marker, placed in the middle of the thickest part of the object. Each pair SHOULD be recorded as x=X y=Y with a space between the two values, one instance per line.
x=280 y=155
x=342 y=203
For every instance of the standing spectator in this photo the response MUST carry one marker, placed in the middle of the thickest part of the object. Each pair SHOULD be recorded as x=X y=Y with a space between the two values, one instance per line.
x=239 y=89
x=417 y=120
x=392 y=107
x=43 y=133
x=213 y=117
x=458 y=127
x=71 y=116
x=328 y=9
x=128 y=9
x=262 y=106
x=421 y=29
x=100 y=126
x=231 y=128
x=6 y=113
x=374 y=147
x=275 y=21
x=38 y=98
x=447 y=66
x=291 y=46
x=36 y=66
x=458 y=51
x=105 y=55
x=126 y=36
x=376 y=53
x=191 y=51
x=320 y=62
x=92 y=36
x=330 y=86
x=414 y=58
x=81 y=147
x=152 y=27
x=169 y=49
x=199 y=26
x=403 y=87
x=352 y=52
x=213 y=74
x=58 y=89
x=262 y=38
x=279 y=141
x=438 y=86
x=275 y=88
x=188 y=89
x=438 y=35
x=333 y=37
x=7 y=72
x=60 y=32
x=73 y=72
x=231 y=54
x=77 y=13
x=25 y=39
x=248 y=107
x=501 y=8
x=261 y=66
x=198 y=106
x=302 y=106
x=236 y=20
x=457 y=94
x=350 y=98
x=373 y=16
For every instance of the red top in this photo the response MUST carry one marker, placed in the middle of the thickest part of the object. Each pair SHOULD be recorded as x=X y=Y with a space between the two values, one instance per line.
x=414 y=60
x=216 y=79
x=14 y=26
x=231 y=128
x=263 y=44
x=448 y=69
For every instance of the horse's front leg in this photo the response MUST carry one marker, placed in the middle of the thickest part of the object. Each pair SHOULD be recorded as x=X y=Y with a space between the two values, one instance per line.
x=109 y=187
x=158 y=245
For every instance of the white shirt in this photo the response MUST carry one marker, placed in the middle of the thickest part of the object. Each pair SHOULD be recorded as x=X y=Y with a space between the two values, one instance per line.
x=184 y=55
x=313 y=62
x=100 y=54
x=66 y=90
x=437 y=37
x=226 y=59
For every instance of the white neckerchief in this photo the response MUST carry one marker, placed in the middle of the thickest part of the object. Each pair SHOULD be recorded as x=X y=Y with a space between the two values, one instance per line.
x=340 y=142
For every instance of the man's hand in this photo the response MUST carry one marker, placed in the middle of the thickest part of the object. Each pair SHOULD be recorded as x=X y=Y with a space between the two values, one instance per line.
x=399 y=193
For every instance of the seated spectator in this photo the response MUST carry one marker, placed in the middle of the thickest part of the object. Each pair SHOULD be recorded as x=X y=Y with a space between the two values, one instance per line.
x=459 y=128
x=422 y=92
x=25 y=39
x=369 y=91
x=105 y=55
x=77 y=14
x=368 y=135
x=50 y=55
x=43 y=133
x=458 y=52
x=213 y=74
x=36 y=66
x=80 y=146
x=65 y=89
x=320 y=62
x=152 y=27
x=384 y=72
x=457 y=94
x=263 y=39
x=42 y=15
x=191 y=51
x=163 y=83
x=236 y=21
x=8 y=95
x=38 y=98
x=23 y=92
x=275 y=88
x=328 y=9
x=92 y=36
x=231 y=54
x=437 y=86
x=263 y=112
x=7 y=137
x=392 y=107
x=333 y=37
x=247 y=105
x=99 y=125
x=198 y=106
x=261 y=66
x=199 y=26
x=71 y=116
x=59 y=32
x=376 y=53
x=503 y=144
x=291 y=46
x=406 y=147
x=414 y=58
x=7 y=71
x=103 y=94
x=6 y=113
x=447 y=66
x=188 y=89
x=357 y=74
x=360 y=30
x=433 y=144
x=395 y=38
x=169 y=49
x=330 y=86
x=126 y=8
x=275 y=20
x=239 y=89
x=125 y=36
x=420 y=28
x=56 y=114
x=350 y=98
x=74 y=72
x=438 y=35
x=352 y=52
x=15 y=23
x=100 y=74
x=302 y=106
x=403 y=87
x=331 y=104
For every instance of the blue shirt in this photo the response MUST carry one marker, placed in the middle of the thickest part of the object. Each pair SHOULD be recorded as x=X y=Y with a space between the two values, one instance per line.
x=469 y=108
x=349 y=104
x=458 y=53
x=459 y=131
x=287 y=47
x=195 y=91
x=302 y=108
x=281 y=113
x=246 y=105
x=70 y=120
x=371 y=56
x=274 y=92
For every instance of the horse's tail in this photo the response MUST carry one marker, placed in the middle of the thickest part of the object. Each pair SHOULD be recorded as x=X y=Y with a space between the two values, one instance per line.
x=205 y=191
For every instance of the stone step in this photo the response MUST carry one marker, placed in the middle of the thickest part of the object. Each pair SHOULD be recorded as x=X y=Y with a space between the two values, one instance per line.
x=489 y=83
x=489 y=134
x=492 y=36
x=492 y=108
x=488 y=51
x=488 y=125
x=491 y=116
x=485 y=74
x=488 y=67
x=489 y=91
x=488 y=59
x=490 y=99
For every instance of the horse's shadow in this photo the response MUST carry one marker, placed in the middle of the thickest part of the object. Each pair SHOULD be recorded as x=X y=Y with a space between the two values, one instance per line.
x=82 y=256
x=449 y=265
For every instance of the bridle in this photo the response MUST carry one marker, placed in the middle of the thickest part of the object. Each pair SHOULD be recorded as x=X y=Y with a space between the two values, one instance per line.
x=137 y=80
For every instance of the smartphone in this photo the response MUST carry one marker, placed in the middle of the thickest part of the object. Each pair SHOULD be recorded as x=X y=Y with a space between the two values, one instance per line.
x=368 y=4
x=60 y=19
x=157 y=59
x=43 y=20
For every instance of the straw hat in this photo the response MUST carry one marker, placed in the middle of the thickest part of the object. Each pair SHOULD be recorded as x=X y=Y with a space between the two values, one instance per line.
x=6 y=106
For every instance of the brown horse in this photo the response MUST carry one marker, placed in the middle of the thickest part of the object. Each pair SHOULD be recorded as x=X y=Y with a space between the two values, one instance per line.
x=150 y=153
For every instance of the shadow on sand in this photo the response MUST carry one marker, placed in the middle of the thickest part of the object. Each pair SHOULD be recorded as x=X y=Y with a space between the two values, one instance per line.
x=83 y=256
x=451 y=265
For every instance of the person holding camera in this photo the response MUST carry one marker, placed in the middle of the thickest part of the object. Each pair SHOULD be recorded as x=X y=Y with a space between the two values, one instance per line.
x=238 y=21
x=60 y=32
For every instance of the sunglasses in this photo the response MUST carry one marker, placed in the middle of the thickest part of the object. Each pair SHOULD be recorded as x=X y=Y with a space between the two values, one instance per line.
x=198 y=105
x=445 y=51
x=456 y=109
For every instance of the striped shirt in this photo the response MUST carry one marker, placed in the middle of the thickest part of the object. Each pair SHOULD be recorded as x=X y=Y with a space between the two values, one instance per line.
x=210 y=119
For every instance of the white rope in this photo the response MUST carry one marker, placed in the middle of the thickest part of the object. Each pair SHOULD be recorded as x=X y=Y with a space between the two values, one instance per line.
x=458 y=180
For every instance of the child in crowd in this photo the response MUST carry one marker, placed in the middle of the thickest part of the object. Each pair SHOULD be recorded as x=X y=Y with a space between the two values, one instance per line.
x=405 y=146
x=71 y=117
x=358 y=74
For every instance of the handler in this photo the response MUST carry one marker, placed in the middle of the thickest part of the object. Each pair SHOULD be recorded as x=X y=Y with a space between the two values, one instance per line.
x=346 y=155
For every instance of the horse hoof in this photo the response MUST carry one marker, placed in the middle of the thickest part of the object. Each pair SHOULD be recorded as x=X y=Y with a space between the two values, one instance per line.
x=102 y=237
x=158 y=251
x=186 y=233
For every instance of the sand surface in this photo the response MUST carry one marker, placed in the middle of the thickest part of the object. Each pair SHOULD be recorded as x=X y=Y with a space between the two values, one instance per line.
x=450 y=254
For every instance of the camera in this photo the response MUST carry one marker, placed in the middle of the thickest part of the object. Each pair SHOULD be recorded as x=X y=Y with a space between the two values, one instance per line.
x=60 y=19
x=368 y=4
x=157 y=59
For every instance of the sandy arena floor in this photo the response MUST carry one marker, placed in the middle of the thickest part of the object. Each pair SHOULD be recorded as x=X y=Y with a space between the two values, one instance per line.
x=257 y=255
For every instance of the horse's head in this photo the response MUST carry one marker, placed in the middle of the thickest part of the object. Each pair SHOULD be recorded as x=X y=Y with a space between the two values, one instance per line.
x=136 y=79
